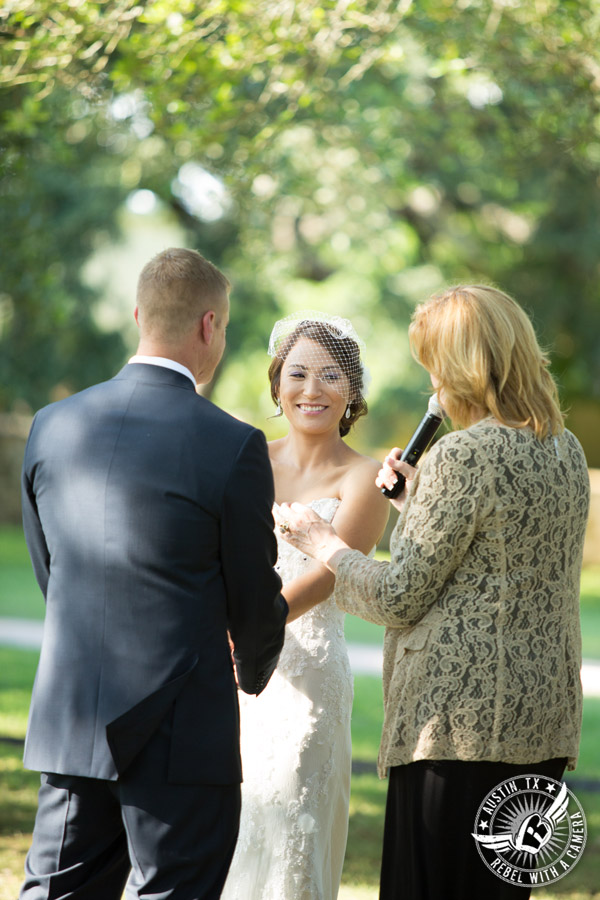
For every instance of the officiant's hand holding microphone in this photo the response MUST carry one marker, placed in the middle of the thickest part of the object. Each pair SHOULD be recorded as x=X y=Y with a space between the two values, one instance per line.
x=392 y=467
x=398 y=467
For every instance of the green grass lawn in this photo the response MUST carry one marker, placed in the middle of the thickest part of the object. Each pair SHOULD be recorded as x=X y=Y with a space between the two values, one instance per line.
x=18 y=789
x=590 y=612
x=20 y=597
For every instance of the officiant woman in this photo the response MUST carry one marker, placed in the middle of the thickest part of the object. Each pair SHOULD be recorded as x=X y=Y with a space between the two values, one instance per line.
x=480 y=598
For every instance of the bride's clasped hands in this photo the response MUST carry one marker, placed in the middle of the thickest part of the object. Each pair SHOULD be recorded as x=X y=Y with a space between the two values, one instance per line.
x=302 y=527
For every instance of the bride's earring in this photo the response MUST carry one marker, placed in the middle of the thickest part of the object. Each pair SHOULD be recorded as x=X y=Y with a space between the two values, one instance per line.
x=279 y=410
x=348 y=412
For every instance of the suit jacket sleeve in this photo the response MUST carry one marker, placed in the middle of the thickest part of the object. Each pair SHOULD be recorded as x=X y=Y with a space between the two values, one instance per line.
x=34 y=534
x=256 y=609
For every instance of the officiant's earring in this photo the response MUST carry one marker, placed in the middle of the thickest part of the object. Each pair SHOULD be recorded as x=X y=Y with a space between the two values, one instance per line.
x=348 y=412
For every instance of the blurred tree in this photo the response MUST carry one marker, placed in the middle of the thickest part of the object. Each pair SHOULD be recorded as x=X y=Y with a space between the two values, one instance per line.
x=60 y=190
x=60 y=187
x=371 y=150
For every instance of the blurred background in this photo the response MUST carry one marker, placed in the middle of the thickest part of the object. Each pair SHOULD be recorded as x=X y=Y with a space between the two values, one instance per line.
x=345 y=155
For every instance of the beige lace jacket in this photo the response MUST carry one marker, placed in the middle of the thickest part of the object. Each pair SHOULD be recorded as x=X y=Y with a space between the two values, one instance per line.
x=482 y=649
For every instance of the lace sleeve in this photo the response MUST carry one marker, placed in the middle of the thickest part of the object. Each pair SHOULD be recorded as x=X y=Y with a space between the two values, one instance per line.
x=449 y=501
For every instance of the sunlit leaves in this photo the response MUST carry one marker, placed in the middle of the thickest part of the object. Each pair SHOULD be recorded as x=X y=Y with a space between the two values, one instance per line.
x=66 y=41
x=398 y=144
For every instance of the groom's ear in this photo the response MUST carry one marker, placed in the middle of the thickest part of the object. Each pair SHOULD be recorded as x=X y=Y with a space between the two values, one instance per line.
x=207 y=326
x=136 y=316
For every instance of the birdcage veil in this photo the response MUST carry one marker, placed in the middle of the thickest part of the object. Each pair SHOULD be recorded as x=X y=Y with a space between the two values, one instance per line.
x=334 y=352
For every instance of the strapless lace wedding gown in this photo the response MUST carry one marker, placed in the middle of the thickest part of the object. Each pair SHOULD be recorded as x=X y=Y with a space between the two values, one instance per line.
x=296 y=758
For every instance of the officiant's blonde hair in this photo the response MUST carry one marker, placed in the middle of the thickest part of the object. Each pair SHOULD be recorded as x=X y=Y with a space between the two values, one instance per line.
x=481 y=346
x=174 y=291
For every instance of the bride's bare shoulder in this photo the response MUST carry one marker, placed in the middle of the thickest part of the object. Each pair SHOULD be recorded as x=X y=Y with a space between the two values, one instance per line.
x=361 y=464
x=274 y=448
x=361 y=497
x=361 y=470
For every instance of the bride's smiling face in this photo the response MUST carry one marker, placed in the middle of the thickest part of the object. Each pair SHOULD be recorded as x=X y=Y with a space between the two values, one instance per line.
x=314 y=390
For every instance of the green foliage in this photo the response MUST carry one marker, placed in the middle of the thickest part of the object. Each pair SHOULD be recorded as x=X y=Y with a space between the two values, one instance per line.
x=59 y=192
x=373 y=151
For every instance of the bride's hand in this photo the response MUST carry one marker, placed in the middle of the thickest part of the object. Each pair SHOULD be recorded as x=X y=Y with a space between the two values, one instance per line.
x=304 y=529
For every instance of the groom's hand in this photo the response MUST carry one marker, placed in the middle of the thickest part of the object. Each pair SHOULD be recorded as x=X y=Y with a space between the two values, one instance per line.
x=232 y=648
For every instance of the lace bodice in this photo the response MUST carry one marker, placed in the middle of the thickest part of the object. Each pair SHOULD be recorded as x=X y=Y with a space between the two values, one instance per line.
x=481 y=598
x=314 y=637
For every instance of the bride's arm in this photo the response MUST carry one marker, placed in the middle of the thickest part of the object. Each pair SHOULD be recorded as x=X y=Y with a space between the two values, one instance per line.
x=360 y=520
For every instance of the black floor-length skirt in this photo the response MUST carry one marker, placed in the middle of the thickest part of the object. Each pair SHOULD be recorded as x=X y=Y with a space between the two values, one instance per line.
x=428 y=850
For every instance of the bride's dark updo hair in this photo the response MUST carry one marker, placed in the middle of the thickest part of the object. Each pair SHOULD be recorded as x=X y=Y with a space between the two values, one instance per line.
x=346 y=353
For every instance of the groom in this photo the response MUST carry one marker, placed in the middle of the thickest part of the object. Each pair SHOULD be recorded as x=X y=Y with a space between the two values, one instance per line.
x=147 y=513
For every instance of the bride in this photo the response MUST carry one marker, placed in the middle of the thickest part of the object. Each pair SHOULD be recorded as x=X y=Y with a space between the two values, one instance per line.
x=295 y=736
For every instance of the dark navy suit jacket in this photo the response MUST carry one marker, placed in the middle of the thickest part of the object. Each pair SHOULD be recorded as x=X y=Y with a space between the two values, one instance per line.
x=147 y=512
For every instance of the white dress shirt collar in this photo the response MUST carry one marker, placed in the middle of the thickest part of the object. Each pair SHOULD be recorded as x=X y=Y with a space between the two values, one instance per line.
x=165 y=363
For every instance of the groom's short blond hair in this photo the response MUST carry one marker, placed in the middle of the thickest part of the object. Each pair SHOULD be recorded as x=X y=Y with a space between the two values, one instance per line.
x=174 y=291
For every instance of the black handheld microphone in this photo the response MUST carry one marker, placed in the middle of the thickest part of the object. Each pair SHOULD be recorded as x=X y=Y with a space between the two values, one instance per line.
x=419 y=442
